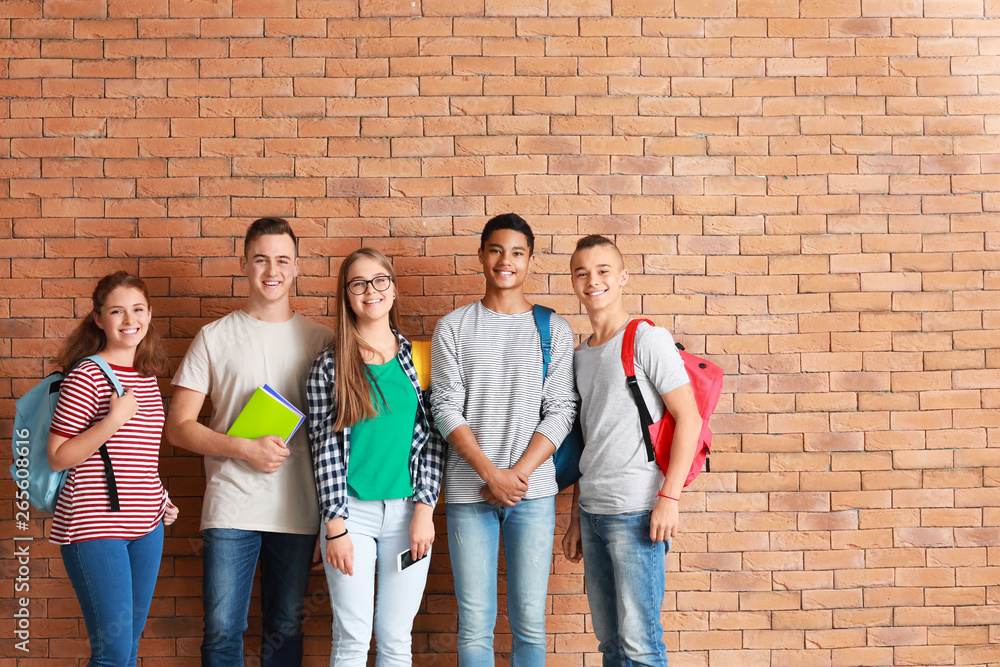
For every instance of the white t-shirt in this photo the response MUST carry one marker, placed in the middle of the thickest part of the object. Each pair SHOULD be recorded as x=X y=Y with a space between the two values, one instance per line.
x=227 y=361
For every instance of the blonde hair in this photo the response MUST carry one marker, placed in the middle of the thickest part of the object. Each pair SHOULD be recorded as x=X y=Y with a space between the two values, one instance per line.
x=354 y=385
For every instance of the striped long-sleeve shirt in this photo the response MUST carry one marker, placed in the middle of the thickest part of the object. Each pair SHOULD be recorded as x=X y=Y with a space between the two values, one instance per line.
x=486 y=372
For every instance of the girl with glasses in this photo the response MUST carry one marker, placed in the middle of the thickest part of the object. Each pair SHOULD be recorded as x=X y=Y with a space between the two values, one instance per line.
x=378 y=461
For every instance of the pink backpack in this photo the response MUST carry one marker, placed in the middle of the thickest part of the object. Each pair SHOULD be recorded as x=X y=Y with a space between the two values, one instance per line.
x=706 y=382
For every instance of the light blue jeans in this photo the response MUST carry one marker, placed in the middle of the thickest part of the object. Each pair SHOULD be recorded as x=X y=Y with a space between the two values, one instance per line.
x=474 y=531
x=379 y=531
x=114 y=581
x=624 y=573
x=230 y=561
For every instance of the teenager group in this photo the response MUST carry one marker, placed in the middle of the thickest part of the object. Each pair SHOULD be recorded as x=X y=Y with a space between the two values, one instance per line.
x=367 y=472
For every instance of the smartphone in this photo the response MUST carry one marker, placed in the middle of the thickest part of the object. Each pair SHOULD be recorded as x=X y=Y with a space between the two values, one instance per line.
x=405 y=560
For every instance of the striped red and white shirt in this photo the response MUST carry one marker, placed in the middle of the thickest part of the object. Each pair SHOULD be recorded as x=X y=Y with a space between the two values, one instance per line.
x=83 y=511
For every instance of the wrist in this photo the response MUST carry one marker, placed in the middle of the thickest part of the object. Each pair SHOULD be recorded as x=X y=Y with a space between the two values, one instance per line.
x=660 y=495
x=489 y=475
x=422 y=510
x=114 y=421
x=335 y=526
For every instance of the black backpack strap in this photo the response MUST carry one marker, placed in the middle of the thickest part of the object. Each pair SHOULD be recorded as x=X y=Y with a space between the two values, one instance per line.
x=109 y=477
x=628 y=364
x=644 y=417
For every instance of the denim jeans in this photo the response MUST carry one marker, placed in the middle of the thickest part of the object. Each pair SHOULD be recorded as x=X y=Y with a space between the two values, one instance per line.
x=474 y=531
x=230 y=560
x=379 y=531
x=114 y=581
x=624 y=573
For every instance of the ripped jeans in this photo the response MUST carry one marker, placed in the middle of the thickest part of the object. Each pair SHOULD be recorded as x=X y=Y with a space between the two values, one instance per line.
x=474 y=531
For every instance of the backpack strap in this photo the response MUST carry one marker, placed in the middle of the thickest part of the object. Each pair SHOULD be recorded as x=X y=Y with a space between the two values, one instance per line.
x=628 y=364
x=542 y=315
x=108 y=373
x=109 y=472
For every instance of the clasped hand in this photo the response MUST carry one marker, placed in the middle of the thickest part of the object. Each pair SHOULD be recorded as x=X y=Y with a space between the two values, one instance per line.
x=505 y=488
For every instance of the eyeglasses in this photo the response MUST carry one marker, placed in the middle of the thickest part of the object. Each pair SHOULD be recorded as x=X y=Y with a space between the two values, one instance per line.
x=359 y=287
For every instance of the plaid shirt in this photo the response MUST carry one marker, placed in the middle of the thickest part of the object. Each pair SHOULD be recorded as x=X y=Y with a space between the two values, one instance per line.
x=331 y=449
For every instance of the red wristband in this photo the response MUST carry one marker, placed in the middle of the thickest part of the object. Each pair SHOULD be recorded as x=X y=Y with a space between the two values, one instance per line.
x=660 y=495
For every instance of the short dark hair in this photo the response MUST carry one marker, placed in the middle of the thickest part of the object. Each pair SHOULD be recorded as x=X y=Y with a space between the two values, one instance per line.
x=594 y=240
x=262 y=226
x=508 y=221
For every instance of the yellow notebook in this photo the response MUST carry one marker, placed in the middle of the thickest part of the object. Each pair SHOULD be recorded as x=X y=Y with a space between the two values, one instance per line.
x=422 y=361
x=267 y=413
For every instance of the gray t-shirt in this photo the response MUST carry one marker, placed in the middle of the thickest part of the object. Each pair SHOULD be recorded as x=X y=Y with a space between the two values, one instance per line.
x=616 y=477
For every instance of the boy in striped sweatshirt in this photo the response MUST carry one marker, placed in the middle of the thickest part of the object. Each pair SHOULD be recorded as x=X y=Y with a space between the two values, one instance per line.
x=503 y=419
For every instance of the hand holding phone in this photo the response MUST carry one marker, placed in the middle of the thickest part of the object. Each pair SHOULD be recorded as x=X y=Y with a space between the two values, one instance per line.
x=405 y=560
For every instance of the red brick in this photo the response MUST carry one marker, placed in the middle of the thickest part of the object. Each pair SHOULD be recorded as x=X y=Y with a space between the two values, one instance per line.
x=871 y=242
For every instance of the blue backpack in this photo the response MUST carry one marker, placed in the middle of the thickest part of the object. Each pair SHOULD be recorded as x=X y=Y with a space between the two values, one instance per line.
x=567 y=455
x=32 y=418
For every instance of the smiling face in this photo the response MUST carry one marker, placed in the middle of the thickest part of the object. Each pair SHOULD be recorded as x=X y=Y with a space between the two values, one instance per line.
x=372 y=305
x=505 y=258
x=598 y=276
x=271 y=266
x=124 y=318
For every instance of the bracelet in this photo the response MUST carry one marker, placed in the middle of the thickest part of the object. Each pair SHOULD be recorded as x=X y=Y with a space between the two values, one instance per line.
x=661 y=495
x=336 y=537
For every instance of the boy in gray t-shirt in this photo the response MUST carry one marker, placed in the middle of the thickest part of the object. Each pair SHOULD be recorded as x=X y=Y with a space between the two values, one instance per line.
x=625 y=511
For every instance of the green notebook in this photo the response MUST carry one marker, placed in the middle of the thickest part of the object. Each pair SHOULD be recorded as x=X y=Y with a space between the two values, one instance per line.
x=267 y=413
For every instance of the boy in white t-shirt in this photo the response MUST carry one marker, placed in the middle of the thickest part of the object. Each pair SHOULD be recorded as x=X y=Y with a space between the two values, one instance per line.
x=260 y=500
x=624 y=510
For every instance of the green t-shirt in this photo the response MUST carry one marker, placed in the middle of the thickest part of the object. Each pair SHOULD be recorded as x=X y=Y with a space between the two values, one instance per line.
x=379 y=463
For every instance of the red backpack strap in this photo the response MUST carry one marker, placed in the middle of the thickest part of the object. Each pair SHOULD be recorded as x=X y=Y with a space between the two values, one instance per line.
x=628 y=364
x=628 y=346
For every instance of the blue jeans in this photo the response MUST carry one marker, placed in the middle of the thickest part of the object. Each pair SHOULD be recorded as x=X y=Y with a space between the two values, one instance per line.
x=379 y=531
x=114 y=581
x=230 y=561
x=624 y=573
x=474 y=542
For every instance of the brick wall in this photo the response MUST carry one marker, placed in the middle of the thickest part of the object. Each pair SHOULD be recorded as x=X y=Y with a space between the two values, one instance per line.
x=806 y=191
